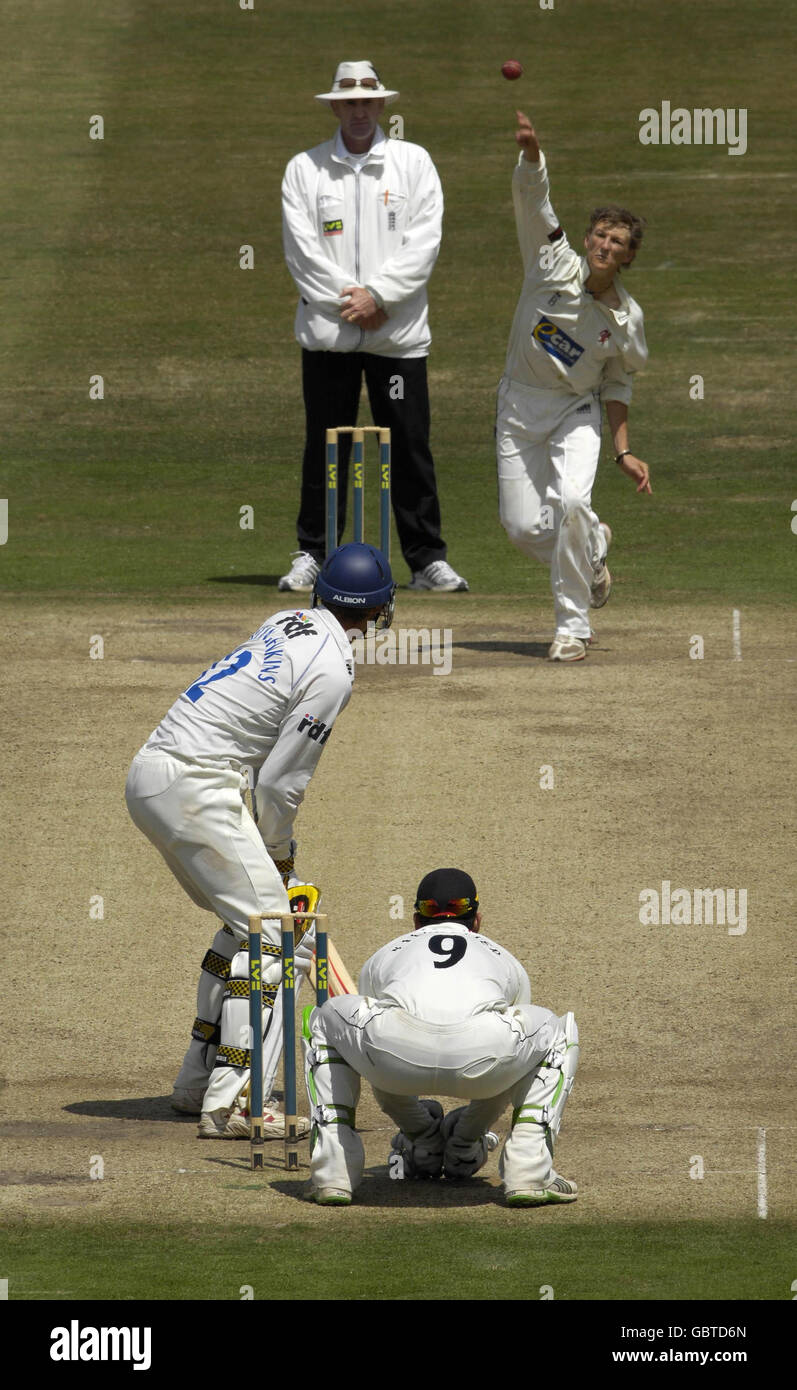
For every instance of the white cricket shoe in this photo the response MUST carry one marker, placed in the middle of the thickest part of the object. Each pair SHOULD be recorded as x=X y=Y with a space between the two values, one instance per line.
x=302 y=574
x=439 y=576
x=558 y=1190
x=188 y=1099
x=331 y=1196
x=234 y=1124
x=564 y=647
x=602 y=581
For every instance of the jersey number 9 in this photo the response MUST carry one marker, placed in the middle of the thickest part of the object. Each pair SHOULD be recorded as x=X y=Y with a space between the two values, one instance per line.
x=450 y=948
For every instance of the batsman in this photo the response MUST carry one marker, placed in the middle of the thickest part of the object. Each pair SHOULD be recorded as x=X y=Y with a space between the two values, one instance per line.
x=270 y=705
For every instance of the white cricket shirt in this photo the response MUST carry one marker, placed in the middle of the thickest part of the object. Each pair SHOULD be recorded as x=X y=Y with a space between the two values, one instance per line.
x=562 y=339
x=270 y=705
x=444 y=973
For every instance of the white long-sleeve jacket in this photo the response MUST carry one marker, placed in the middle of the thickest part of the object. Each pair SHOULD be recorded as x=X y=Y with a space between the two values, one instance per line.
x=269 y=705
x=378 y=226
x=562 y=339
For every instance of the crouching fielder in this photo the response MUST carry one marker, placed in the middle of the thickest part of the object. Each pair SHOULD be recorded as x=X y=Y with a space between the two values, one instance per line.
x=446 y=1012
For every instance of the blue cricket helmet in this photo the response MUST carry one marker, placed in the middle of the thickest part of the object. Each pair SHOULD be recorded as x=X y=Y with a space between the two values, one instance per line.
x=354 y=578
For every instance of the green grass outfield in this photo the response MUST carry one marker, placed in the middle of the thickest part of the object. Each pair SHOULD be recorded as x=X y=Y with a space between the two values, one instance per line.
x=449 y=1262
x=120 y=257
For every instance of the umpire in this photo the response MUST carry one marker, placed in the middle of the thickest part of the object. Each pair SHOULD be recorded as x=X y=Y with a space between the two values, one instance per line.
x=362 y=221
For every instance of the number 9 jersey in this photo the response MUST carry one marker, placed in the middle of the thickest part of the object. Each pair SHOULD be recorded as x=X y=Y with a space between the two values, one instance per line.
x=444 y=974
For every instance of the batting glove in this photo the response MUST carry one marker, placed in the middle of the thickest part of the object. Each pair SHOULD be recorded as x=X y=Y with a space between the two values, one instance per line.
x=304 y=952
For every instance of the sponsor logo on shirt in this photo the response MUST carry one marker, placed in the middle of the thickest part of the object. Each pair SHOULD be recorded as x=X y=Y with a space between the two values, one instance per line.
x=316 y=728
x=297 y=625
x=553 y=299
x=556 y=342
x=334 y=228
x=584 y=409
x=604 y=336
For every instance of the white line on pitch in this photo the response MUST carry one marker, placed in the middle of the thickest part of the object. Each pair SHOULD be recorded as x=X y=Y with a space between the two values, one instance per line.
x=678 y=174
x=761 y=1163
x=737 y=635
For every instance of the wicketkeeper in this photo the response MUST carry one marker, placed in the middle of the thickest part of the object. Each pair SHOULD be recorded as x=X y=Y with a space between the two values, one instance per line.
x=442 y=1011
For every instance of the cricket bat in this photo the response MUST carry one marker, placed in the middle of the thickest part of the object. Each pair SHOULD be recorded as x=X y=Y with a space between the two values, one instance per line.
x=339 y=979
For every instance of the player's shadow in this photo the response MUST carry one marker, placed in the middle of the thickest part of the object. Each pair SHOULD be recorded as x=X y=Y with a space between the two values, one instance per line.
x=134 y=1108
x=240 y=1167
x=380 y=1192
x=260 y=580
x=538 y=651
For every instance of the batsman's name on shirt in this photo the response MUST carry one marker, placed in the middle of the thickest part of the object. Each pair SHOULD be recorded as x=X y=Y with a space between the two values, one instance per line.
x=556 y=342
x=334 y=228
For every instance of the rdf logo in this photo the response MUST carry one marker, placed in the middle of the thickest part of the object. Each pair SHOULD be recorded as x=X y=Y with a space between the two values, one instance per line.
x=316 y=728
x=702 y=126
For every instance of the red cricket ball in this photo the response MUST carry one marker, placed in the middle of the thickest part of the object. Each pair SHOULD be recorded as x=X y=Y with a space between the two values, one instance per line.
x=512 y=70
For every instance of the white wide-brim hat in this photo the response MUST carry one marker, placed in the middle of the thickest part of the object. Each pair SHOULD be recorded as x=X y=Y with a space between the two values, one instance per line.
x=352 y=75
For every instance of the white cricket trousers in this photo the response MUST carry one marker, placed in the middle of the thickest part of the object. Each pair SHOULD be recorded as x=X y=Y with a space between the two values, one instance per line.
x=548 y=446
x=493 y=1060
x=194 y=814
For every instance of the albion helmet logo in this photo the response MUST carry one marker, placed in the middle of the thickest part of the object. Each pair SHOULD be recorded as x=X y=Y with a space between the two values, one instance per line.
x=348 y=598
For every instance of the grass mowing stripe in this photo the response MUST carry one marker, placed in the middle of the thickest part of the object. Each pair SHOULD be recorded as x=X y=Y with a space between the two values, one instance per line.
x=375 y=1260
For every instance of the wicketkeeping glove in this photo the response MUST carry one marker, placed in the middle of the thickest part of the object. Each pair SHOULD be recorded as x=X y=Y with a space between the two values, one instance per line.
x=422 y=1157
x=461 y=1157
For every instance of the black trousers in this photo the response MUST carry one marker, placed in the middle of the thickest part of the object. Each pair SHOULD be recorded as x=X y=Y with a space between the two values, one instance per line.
x=331 y=384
